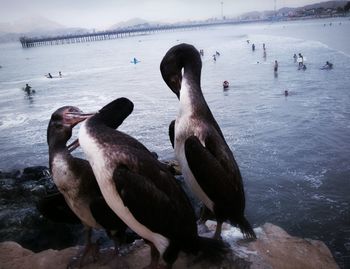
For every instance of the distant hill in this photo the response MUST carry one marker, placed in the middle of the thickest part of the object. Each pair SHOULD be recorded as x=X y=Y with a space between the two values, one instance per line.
x=328 y=4
x=30 y=24
x=14 y=37
x=135 y=22
x=286 y=10
x=34 y=26
x=40 y=26
x=9 y=37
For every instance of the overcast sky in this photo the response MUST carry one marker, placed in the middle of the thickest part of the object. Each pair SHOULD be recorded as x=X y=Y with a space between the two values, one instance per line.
x=101 y=14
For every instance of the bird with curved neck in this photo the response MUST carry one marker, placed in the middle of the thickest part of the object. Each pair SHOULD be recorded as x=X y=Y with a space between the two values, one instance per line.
x=142 y=191
x=206 y=161
x=75 y=180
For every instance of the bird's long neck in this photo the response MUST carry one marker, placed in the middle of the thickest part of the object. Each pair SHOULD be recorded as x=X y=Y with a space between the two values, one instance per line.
x=95 y=127
x=58 y=148
x=92 y=136
x=191 y=96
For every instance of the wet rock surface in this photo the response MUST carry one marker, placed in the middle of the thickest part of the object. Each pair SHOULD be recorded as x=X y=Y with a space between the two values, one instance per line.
x=20 y=220
x=274 y=248
x=24 y=231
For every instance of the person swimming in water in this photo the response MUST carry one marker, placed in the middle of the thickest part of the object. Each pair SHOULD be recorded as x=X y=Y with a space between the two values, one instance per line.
x=27 y=89
x=295 y=57
x=275 y=68
x=302 y=67
x=328 y=65
x=135 y=61
x=301 y=62
x=225 y=84
x=49 y=75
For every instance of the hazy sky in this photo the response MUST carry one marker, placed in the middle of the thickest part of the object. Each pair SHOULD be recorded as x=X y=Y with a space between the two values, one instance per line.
x=102 y=14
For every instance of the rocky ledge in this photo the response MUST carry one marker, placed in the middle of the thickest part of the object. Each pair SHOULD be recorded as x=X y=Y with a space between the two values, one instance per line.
x=24 y=230
x=20 y=219
x=274 y=248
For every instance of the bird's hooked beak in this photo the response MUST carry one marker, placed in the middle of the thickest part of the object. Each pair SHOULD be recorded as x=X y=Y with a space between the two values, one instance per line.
x=74 y=145
x=73 y=118
x=175 y=84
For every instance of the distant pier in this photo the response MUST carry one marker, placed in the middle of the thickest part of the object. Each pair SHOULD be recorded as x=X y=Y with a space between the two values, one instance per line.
x=29 y=42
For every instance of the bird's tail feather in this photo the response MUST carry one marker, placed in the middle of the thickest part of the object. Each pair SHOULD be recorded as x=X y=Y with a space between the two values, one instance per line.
x=246 y=229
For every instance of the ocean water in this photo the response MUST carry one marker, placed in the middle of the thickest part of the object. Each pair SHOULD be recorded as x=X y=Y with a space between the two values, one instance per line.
x=293 y=152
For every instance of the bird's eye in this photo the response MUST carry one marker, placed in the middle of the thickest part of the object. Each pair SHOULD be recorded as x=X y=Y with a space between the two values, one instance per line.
x=73 y=109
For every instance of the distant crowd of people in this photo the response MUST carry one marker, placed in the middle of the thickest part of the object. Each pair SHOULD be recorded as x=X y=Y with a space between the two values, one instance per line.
x=28 y=89
x=297 y=59
x=300 y=59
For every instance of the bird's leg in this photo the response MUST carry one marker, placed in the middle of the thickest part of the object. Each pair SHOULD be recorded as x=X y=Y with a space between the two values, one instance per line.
x=154 y=257
x=116 y=245
x=217 y=234
x=89 y=247
x=204 y=215
x=78 y=260
x=119 y=239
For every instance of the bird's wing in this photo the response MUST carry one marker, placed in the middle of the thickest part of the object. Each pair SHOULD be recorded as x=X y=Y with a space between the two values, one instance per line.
x=208 y=167
x=55 y=208
x=105 y=216
x=149 y=204
x=89 y=184
x=224 y=156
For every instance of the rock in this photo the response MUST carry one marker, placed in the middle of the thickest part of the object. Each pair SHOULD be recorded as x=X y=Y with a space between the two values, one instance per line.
x=20 y=219
x=274 y=248
x=12 y=255
x=25 y=225
x=35 y=173
x=11 y=174
x=280 y=250
x=8 y=188
x=38 y=191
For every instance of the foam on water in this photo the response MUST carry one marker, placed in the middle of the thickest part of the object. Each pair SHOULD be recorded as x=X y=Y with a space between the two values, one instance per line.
x=12 y=120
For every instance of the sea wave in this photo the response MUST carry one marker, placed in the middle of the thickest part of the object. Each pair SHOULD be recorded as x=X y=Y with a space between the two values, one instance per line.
x=10 y=121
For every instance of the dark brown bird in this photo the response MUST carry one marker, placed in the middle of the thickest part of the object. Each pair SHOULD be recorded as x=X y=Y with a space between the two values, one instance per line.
x=206 y=161
x=141 y=190
x=75 y=180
